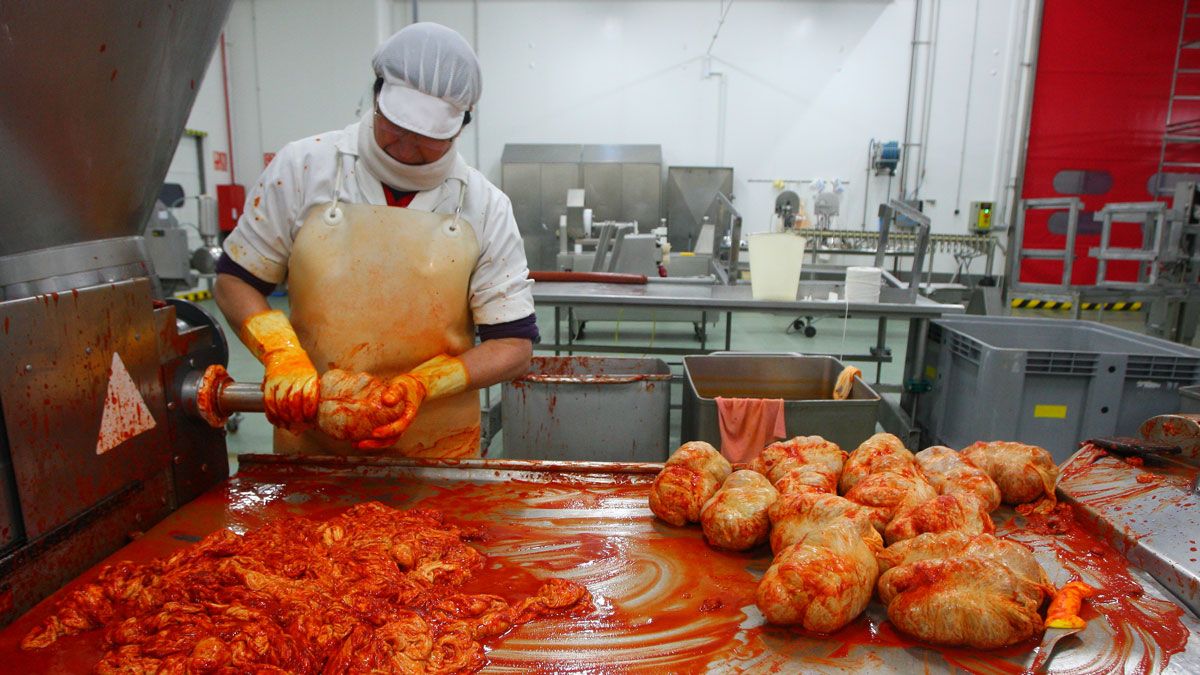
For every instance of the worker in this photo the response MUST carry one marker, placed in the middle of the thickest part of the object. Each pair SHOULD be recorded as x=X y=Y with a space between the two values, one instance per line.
x=396 y=255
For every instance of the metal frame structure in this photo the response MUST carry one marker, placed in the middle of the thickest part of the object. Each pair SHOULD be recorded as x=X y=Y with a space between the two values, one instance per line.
x=1018 y=252
x=1169 y=258
x=857 y=242
x=727 y=272
x=1152 y=216
x=894 y=208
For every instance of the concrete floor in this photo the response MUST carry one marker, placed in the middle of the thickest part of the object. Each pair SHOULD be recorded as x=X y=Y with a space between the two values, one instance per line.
x=751 y=332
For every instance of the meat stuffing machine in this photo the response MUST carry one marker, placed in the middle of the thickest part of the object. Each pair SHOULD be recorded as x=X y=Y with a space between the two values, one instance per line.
x=94 y=445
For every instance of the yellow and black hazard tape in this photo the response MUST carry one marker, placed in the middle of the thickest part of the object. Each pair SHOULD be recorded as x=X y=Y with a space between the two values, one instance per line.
x=1030 y=303
x=194 y=296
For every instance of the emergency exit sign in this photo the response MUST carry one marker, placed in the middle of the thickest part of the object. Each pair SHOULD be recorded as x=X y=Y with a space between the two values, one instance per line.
x=220 y=161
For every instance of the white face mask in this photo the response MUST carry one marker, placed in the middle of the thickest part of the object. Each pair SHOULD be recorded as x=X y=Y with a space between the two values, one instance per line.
x=400 y=176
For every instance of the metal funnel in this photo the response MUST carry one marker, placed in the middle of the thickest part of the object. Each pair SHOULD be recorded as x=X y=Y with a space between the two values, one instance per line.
x=96 y=95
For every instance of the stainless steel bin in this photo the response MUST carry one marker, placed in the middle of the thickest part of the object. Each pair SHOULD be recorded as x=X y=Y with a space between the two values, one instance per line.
x=805 y=383
x=589 y=408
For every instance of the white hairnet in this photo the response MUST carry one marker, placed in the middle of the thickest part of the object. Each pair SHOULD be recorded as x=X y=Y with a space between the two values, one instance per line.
x=427 y=61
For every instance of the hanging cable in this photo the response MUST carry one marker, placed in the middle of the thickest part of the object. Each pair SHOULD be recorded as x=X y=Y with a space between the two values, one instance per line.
x=724 y=11
x=722 y=90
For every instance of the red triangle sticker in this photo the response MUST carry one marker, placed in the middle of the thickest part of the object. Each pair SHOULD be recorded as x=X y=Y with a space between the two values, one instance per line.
x=125 y=412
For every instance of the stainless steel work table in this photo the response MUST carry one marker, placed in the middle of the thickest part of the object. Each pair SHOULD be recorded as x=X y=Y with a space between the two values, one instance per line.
x=669 y=294
x=712 y=297
x=708 y=296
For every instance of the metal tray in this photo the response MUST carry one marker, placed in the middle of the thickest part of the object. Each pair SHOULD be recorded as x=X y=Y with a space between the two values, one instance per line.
x=665 y=601
x=805 y=383
x=1150 y=513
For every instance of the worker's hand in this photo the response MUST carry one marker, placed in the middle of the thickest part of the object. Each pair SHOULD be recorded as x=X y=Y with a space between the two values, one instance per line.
x=291 y=389
x=355 y=405
x=436 y=378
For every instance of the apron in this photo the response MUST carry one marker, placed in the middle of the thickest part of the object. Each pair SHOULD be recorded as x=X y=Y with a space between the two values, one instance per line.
x=382 y=289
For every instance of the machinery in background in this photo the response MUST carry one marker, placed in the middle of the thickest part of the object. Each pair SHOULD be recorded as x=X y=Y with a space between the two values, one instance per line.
x=168 y=247
x=94 y=444
x=204 y=259
x=692 y=202
x=623 y=183
x=826 y=206
x=826 y=201
x=1168 y=260
x=178 y=266
x=694 y=212
x=605 y=246
x=980 y=220
x=883 y=157
x=788 y=211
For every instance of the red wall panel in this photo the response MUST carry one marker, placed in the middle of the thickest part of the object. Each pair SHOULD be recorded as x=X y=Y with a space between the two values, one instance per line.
x=1100 y=103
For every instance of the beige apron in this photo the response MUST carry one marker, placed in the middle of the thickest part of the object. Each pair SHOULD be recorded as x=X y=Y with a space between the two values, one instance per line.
x=382 y=290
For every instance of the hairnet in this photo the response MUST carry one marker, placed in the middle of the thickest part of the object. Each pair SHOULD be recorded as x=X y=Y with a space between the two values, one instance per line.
x=431 y=60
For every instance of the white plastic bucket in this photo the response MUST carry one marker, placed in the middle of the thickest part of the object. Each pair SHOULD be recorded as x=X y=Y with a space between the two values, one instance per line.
x=775 y=260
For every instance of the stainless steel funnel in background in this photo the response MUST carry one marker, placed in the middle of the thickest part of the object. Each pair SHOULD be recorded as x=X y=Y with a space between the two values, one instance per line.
x=96 y=95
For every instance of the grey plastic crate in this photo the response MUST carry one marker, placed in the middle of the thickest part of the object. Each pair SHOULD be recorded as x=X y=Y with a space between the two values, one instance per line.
x=1048 y=382
x=805 y=383
x=1189 y=399
x=590 y=409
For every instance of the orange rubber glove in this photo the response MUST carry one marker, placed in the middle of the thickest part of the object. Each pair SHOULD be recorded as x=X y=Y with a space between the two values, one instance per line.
x=438 y=377
x=845 y=383
x=1064 y=608
x=291 y=389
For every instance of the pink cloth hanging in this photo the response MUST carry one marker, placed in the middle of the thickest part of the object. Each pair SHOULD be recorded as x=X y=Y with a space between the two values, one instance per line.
x=748 y=425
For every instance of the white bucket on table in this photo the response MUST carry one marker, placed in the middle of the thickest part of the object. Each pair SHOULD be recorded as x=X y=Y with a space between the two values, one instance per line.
x=775 y=260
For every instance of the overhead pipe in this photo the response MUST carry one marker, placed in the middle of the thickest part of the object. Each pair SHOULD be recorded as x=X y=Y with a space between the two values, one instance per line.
x=722 y=98
x=908 y=99
x=1030 y=66
x=228 y=119
x=1015 y=141
x=475 y=44
x=935 y=19
x=383 y=20
x=722 y=84
x=1007 y=127
x=962 y=154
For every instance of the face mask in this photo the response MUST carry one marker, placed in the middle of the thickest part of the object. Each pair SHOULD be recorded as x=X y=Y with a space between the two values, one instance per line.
x=400 y=176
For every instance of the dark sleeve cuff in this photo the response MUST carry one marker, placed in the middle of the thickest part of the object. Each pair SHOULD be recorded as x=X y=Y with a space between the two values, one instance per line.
x=521 y=328
x=227 y=265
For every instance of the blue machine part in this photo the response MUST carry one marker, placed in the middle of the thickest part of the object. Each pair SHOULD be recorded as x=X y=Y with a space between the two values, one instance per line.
x=888 y=158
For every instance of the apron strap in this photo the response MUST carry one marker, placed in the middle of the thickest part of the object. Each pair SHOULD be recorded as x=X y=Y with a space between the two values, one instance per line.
x=452 y=227
x=333 y=215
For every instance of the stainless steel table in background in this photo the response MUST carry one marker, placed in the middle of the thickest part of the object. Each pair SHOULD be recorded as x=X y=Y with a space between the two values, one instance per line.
x=708 y=296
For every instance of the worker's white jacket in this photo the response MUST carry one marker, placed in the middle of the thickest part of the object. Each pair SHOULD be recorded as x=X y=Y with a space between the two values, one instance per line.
x=303 y=175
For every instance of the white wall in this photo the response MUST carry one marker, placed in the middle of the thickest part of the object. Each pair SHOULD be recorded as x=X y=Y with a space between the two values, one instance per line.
x=808 y=83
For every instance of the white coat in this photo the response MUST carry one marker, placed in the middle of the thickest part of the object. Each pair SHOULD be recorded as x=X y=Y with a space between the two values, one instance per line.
x=303 y=175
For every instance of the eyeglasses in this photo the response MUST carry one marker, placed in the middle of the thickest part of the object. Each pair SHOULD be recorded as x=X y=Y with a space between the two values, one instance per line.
x=399 y=133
